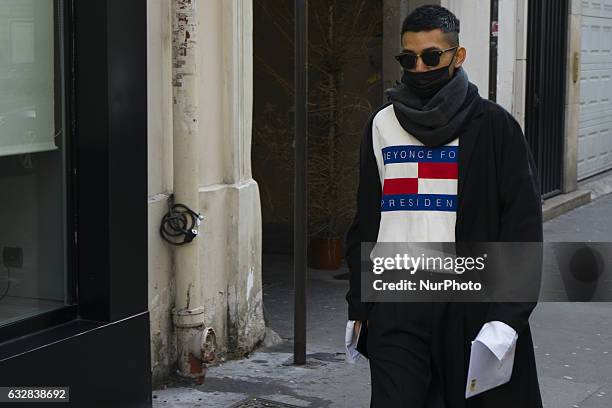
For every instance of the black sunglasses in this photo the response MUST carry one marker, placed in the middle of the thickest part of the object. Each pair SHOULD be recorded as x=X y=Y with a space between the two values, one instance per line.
x=431 y=58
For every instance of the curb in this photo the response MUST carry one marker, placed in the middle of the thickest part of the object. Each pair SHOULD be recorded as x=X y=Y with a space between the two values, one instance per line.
x=562 y=203
x=588 y=190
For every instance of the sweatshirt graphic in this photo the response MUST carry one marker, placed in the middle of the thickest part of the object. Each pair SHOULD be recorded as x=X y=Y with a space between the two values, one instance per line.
x=419 y=197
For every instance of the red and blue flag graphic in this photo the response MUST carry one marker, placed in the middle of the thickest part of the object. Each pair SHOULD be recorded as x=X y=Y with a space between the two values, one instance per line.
x=418 y=178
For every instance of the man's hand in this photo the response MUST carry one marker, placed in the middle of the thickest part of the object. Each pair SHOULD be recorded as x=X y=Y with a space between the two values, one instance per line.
x=357 y=326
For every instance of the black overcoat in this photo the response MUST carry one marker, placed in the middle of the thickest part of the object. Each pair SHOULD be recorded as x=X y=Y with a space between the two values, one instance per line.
x=498 y=201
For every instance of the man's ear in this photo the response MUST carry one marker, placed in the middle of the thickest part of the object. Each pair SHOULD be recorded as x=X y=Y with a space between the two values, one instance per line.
x=461 y=57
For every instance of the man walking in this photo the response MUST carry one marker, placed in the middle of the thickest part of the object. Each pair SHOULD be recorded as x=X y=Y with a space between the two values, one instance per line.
x=473 y=152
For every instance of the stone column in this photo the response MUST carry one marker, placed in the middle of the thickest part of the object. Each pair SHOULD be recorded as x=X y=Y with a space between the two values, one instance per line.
x=572 y=99
x=229 y=197
x=520 y=64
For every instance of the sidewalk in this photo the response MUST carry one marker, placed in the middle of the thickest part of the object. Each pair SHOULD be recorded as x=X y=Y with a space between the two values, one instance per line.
x=573 y=342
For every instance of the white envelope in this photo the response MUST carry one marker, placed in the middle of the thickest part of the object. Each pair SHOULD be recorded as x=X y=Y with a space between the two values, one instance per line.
x=350 y=343
x=486 y=370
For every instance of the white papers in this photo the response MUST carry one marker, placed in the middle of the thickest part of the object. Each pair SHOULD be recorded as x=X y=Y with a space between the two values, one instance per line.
x=350 y=343
x=498 y=337
x=486 y=370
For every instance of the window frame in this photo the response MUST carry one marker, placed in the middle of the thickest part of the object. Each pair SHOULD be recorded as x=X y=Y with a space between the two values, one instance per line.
x=62 y=32
x=105 y=86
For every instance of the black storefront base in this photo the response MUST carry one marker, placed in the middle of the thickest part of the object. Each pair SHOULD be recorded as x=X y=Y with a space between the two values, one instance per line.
x=102 y=362
x=100 y=346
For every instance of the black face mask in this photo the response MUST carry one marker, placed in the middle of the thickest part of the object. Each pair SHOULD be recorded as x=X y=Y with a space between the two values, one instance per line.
x=426 y=84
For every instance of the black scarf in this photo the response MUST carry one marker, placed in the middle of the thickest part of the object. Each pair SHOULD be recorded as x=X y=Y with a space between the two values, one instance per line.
x=435 y=122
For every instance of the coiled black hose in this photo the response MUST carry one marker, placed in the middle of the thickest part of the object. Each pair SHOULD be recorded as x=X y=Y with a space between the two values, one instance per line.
x=179 y=221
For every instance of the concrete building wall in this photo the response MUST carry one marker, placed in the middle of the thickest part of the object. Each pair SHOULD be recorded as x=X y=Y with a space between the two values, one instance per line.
x=475 y=16
x=506 y=53
x=228 y=194
x=161 y=285
x=520 y=61
x=512 y=57
x=572 y=99
x=229 y=243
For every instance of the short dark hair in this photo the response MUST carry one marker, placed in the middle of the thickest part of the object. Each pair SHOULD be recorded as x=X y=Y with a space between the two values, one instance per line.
x=430 y=17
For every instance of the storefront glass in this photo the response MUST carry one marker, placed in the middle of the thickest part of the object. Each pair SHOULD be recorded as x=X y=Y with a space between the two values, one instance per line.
x=33 y=156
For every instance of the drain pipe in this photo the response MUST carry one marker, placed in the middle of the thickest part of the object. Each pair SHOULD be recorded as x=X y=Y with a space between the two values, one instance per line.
x=195 y=342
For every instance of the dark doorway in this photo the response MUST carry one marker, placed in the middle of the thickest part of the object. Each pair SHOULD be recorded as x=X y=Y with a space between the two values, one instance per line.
x=546 y=72
x=344 y=85
x=344 y=70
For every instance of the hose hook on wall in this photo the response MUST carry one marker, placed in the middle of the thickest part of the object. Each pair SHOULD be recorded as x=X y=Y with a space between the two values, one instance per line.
x=179 y=221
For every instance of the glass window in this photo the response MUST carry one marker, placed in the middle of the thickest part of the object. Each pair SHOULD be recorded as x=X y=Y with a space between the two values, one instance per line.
x=33 y=187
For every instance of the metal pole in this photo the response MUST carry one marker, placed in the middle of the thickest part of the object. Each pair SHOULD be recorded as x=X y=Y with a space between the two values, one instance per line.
x=300 y=214
x=188 y=311
x=493 y=44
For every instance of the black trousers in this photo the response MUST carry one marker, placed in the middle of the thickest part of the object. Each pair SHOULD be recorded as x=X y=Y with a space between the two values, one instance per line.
x=399 y=348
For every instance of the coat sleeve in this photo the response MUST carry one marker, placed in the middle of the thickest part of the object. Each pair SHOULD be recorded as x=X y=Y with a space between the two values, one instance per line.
x=364 y=227
x=520 y=217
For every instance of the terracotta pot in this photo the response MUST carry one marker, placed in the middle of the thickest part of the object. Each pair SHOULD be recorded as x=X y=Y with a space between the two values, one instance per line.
x=326 y=253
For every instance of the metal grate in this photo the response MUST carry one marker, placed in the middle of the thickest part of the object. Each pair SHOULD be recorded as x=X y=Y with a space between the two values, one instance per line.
x=256 y=402
x=546 y=71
